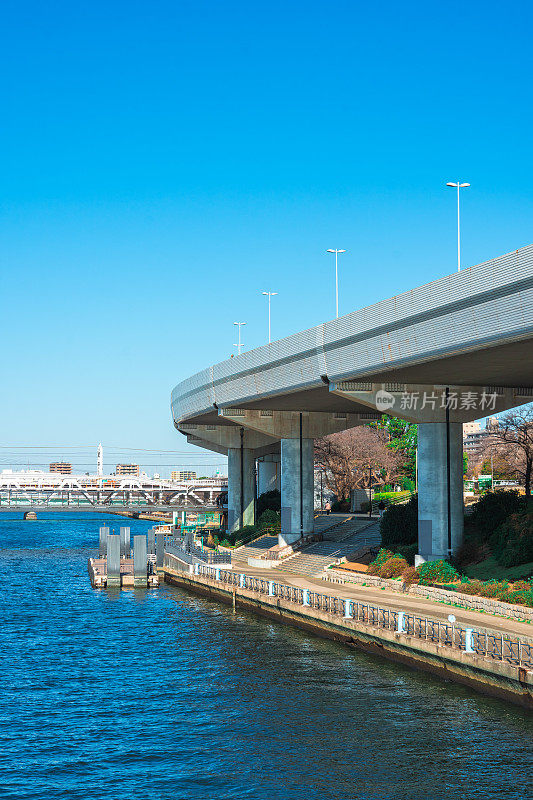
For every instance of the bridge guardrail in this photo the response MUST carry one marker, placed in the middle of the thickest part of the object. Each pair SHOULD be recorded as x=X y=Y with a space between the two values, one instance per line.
x=488 y=644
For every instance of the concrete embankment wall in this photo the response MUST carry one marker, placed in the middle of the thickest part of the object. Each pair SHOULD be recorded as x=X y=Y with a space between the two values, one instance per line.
x=495 y=678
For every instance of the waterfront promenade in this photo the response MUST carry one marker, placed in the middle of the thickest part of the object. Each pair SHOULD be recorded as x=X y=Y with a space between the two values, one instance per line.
x=394 y=600
x=490 y=654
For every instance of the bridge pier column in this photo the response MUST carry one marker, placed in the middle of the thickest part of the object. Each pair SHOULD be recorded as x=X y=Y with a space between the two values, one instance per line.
x=440 y=490
x=297 y=489
x=268 y=474
x=241 y=510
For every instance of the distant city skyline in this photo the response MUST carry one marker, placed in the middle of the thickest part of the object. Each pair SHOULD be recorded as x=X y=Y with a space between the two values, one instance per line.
x=85 y=459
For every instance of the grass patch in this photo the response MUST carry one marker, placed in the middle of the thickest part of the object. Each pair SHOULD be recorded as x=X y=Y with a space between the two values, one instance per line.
x=489 y=568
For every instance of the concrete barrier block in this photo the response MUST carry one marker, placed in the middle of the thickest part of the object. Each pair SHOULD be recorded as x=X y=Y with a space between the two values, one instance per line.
x=140 y=561
x=113 y=561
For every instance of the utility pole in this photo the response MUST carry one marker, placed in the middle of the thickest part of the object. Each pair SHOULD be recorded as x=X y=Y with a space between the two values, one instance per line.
x=370 y=490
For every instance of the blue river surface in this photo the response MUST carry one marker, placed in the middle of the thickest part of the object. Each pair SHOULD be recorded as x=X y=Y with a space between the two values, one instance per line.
x=161 y=694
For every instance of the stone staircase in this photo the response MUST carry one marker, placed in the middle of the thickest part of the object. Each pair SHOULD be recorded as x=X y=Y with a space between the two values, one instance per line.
x=353 y=534
x=257 y=547
x=254 y=549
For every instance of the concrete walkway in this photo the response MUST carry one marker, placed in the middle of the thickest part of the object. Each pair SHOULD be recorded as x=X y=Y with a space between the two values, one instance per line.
x=392 y=600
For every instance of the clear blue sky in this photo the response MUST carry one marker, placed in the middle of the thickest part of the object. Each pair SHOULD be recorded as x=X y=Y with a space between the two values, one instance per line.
x=164 y=162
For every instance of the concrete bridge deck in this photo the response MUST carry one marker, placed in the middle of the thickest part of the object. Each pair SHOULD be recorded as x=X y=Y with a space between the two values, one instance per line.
x=455 y=350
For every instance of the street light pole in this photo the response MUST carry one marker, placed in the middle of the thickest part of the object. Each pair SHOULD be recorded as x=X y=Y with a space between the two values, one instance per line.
x=458 y=185
x=270 y=294
x=239 y=343
x=336 y=251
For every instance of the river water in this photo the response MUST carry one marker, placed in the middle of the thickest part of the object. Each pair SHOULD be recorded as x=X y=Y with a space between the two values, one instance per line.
x=160 y=694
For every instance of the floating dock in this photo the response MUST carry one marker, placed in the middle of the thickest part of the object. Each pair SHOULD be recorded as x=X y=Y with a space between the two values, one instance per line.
x=118 y=567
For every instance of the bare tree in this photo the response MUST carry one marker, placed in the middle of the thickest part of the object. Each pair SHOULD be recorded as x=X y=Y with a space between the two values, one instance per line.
x=512 y=443
x=346 y=457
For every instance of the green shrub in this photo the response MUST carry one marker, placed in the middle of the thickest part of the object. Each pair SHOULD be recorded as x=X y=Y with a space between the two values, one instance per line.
x=268 y=500
x=399 y=524
x=437 y=572
x=245 y=534
x=408 y=551
x=495 y=590
x=269 y=519
x=341 y=506
x=492 y=510
x=471 y=587
x=512 y=541
x=388 y=496
x=523 y=597
x=410 y=576
x=393 y=567
x=521 y=592
x=382 y=556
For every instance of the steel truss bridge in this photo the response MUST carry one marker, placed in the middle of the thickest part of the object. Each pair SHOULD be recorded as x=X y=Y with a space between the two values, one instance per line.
x=21 y=491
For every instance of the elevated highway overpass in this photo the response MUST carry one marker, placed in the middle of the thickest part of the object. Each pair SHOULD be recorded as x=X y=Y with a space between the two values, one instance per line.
x=456 y=349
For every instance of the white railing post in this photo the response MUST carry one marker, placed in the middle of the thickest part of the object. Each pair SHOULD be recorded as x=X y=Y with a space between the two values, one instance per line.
x=469 y=641
x=305 y=597
x=217 y=574
x=401 y=622
x=271 y=588
x=348 y=609
x=197 y=569
x=242 y=580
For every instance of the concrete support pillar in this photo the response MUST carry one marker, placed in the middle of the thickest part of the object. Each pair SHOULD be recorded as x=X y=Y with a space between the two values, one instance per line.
x=297 y=489
x=269 y=474
x=159 y=549
x=102 y=547
x=140 y=561
x=434 y=497
x=125 y=542
x=241 y=510
x=113 y=561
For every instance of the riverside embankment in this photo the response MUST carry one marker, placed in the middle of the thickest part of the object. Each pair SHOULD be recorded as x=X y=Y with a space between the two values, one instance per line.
x=488 y=660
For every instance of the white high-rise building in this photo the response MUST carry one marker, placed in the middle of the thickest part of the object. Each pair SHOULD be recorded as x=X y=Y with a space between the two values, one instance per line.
x=100 y=460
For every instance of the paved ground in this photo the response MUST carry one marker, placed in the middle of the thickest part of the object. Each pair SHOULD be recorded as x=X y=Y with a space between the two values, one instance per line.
x=393 y=600
x=328 y=524
x=350 y=536
x=343 y=534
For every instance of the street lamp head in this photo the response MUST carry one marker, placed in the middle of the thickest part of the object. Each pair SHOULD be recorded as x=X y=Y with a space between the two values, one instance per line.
x=457 y=184
x=329 y=250
x=239 y=323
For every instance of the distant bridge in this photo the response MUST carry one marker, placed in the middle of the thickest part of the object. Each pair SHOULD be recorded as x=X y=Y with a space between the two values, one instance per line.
x=32 y=491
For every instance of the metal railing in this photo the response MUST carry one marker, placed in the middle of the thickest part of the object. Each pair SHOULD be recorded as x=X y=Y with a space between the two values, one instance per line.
x=190 y=554
x=485 y=643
